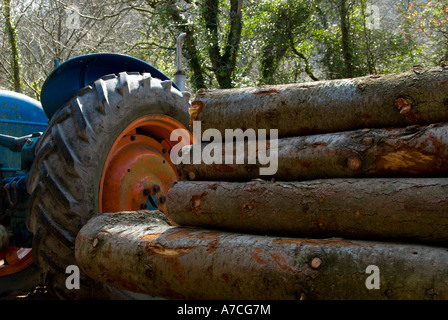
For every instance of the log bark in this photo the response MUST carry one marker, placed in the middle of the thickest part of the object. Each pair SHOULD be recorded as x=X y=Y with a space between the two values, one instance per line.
x=411 y=210
x=141 y=252
x=410 y=151
x=375 y=101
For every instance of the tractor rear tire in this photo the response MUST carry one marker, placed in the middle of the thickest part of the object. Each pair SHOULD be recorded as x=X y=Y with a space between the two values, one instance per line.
x=65 y=178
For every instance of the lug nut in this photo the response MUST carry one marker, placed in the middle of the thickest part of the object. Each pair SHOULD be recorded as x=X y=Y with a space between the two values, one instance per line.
x=162 y=199
x=144 y=206
x=147 y=192
x=156 y=188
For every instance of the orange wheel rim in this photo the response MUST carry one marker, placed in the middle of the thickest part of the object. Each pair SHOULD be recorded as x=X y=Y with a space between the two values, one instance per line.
x=138 y=171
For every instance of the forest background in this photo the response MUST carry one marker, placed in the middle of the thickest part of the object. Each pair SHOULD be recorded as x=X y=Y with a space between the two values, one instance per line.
x=229 y=43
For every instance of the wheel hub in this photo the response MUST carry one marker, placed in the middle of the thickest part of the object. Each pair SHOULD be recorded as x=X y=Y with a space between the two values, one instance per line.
x=138 y=171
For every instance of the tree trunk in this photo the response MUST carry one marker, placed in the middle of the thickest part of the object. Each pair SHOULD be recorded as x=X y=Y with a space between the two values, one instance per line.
x=376 y=101
x=223 y=65
x=191 y=53
x=270 y=57
x=411 y=151
x=12 y=38
x=345 y=39
x=141 y=252
x=377 y=209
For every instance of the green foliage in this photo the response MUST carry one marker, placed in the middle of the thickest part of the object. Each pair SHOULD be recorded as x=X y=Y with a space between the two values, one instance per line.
x=429 y=19
x=385 y=49
x=229 y=43
x=286 y=26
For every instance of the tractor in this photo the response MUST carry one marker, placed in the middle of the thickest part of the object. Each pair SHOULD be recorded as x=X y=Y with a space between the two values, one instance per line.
x=98 y=141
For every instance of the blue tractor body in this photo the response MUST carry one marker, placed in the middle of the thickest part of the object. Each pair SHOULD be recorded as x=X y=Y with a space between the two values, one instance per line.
x=21 y=122
x=20 y=116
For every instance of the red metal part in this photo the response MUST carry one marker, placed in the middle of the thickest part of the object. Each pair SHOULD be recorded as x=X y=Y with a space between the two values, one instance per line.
x=15 y=259
x=138 y=171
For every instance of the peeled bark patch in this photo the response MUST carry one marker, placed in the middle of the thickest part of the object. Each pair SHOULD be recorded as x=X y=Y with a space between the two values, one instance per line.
x=330 y=106
x=140 y=251
x=403 y=105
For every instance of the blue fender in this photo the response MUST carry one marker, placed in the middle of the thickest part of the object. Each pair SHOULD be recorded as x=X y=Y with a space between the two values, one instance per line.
x=74 y=74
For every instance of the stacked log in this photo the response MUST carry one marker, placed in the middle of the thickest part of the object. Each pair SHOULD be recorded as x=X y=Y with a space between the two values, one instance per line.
x=375 y=101
x=409 y=151
x=143 y=253
x=411 y=209
x=361 y=183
